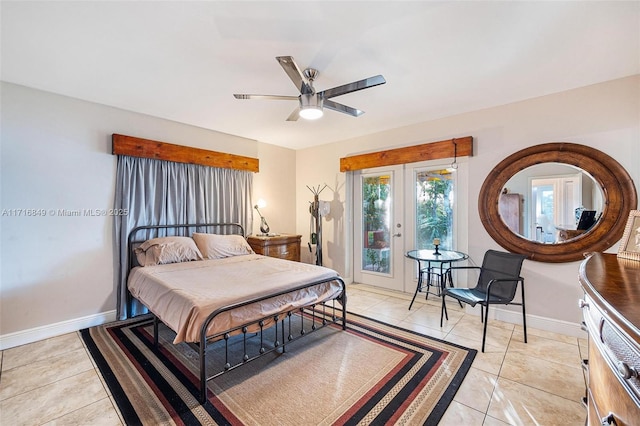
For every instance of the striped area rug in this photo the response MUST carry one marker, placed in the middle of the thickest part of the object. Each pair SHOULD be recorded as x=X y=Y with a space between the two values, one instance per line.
x=372 y=373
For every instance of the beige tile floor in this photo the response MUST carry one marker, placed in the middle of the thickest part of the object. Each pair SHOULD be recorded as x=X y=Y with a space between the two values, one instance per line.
x=54 y=381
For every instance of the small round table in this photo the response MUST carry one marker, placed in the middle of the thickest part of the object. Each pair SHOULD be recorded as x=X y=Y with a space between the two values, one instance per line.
x=434 y=263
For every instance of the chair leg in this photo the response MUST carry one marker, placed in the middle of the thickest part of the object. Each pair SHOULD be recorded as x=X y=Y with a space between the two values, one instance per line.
x=426 y=296
x=486 y=321
x=414 y=297
x=524 y=324
x=443 y=310
x=418 y=287
x=524 y=316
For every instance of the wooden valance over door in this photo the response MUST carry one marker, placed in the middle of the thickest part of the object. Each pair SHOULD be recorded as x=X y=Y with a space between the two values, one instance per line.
x=451 y=148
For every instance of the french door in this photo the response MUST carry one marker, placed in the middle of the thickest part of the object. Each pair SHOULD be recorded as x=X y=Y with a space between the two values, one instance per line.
x=397 y=209
x=378 y=218
x=554 y=201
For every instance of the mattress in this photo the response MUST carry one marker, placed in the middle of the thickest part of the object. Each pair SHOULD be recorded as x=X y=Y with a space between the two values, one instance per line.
x=182 y=295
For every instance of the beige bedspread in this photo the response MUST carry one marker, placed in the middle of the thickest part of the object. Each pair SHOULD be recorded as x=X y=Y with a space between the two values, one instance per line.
x=182 y=295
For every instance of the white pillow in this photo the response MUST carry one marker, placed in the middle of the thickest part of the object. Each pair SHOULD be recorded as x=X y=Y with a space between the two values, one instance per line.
x=214 y=246
x=158 y=251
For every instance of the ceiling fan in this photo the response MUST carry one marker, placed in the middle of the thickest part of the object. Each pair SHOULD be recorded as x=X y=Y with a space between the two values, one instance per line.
x=310 y=102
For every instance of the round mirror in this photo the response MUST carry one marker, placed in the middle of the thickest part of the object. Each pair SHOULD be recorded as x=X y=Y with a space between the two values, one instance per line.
x=554 y=202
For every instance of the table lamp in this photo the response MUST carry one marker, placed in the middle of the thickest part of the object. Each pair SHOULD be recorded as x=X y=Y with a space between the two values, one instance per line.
x=264 y=226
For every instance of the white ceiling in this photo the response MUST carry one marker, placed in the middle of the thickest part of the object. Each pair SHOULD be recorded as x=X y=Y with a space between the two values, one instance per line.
x=183 y=60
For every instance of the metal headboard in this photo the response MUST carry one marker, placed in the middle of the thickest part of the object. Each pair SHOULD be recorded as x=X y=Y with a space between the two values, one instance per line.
x=153 y=231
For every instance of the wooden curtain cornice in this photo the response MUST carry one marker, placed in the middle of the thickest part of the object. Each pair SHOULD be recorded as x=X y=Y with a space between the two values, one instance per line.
x=146 y=148
x=461 y=147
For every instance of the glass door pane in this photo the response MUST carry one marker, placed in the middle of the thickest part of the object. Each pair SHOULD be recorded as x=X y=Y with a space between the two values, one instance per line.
x=376 y=220
x=554 y=202
x=434 y=208
x=544 y=205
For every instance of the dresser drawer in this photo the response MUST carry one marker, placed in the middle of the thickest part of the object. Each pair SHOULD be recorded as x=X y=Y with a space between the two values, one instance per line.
x=612 y=318
x=614 y=360
x=623 y=357
x=607 y=399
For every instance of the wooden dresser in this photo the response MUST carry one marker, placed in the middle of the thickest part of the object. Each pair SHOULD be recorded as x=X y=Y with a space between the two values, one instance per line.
x=509 y=206
x=284 y=246
x=611 y=310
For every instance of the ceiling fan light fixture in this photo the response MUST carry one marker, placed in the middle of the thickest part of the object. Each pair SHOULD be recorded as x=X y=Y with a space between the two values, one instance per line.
x=311 y=113
x=311 y=106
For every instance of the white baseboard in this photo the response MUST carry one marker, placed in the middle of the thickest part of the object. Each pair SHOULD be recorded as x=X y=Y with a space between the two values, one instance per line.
x=534 y=321
x=501 y=314
x=52 y=330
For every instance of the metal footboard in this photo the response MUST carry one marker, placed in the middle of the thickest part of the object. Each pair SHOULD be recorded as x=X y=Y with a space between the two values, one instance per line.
x=273 y=332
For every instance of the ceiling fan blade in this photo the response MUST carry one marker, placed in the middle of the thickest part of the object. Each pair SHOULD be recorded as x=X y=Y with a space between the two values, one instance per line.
x=353 y=87
x=272 y=97
x=334 y=106
x=294 y=115
x=294 y=73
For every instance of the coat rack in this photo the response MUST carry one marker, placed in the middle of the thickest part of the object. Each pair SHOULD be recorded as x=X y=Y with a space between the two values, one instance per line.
x=317 y=209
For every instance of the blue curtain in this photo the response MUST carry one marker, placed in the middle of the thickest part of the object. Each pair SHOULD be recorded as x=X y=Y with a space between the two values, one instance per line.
x=155 y=192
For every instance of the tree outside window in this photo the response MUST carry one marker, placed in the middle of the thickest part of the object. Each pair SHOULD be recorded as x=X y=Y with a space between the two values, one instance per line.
x=434 y=208
x=375 y=198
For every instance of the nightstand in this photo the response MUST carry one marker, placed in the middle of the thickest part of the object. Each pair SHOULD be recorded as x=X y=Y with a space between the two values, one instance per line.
x=283 y=246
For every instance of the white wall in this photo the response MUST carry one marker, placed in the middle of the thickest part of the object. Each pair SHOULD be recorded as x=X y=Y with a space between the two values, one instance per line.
x=276 y=184
x=57 y=272
x=605 y=116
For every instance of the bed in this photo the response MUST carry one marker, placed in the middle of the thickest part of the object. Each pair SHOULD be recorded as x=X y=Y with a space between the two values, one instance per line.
x=205 y=283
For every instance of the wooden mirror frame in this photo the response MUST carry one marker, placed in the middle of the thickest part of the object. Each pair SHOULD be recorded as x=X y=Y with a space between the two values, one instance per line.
x=619 y=192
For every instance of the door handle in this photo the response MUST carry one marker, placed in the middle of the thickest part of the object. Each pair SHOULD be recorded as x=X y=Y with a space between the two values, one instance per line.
x=397 y=235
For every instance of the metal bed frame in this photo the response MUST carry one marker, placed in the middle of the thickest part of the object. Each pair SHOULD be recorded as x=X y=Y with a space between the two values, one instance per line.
x=293 y=323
